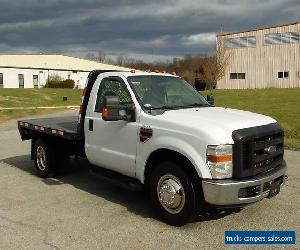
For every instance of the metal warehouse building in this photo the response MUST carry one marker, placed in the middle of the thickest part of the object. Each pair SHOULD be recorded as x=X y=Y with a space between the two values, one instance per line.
x=33 y=71
x=262 y=58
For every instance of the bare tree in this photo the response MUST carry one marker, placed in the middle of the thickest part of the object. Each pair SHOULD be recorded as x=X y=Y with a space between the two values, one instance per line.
x=214 y=66
x=101 y=56
x=109 y=60
x=90 y=56
x=121 y=60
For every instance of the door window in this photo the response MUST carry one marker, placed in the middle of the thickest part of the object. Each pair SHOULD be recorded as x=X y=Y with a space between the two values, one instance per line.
x=1 y=80
x=21 y=80
x=112 y=87
x=35 y=81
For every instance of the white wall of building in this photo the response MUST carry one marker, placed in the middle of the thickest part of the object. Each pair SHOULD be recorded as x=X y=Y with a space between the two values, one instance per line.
x=11 y=77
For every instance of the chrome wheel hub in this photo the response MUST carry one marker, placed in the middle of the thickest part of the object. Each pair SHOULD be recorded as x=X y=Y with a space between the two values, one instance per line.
x=171 y=193
x=41 y=158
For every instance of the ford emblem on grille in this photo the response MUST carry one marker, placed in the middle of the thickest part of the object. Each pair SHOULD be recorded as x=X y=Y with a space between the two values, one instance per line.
x=270 y=150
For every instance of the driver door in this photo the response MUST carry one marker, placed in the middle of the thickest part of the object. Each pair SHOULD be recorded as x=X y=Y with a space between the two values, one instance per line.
x=111 y=144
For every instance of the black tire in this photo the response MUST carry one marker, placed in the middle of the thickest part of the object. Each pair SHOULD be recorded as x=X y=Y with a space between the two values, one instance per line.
x=162 y=177
x=45 y=161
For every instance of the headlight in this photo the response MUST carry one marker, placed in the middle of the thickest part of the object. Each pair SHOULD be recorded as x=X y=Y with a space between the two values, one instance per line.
x=219 y=160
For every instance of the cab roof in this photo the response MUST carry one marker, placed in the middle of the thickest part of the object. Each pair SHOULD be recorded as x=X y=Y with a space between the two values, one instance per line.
x=142 y=73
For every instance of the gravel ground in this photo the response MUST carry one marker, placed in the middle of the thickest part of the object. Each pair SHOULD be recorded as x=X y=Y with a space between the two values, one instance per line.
x=77 y=211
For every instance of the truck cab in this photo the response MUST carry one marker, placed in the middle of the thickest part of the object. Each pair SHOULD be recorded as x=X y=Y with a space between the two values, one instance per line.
x=156 y=129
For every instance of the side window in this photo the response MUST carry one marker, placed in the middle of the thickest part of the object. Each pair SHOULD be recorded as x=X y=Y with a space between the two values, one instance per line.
x=112 y=87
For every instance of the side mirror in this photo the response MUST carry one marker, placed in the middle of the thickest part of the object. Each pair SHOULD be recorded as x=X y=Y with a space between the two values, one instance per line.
x=210 y=99
x=114 y=111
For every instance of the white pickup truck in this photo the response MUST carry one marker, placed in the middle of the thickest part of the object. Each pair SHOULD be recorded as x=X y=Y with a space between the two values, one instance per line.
x=154 y=130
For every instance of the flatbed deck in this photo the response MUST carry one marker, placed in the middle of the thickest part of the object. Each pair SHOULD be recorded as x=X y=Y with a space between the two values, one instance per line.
x=65 y=127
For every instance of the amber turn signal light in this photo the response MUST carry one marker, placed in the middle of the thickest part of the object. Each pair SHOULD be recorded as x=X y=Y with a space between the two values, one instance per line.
x=222 y=158
x=105 y=112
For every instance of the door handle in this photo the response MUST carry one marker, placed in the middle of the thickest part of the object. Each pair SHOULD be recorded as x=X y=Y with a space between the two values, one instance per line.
x=91 y=125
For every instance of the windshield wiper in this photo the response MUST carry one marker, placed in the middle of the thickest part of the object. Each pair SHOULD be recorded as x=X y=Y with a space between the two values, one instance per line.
x=162 y=107
x=194 y=105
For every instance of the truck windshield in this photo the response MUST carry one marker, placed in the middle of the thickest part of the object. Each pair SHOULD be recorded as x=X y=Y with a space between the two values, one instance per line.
x=165 y=92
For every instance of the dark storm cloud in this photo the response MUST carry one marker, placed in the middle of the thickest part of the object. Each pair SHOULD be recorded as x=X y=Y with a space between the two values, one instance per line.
x=132 y=27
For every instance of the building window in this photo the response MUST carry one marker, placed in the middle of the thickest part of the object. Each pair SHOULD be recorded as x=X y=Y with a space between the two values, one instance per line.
x=294 y=37
x=282 y=38
x=237 y=76
x=241 y=42
x=273 y=38
x=35 y=81
x=21 y=81
x=1 y=80
x=283 y=74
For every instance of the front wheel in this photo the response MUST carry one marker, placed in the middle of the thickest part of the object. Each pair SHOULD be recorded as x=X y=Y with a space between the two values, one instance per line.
x=172 y=193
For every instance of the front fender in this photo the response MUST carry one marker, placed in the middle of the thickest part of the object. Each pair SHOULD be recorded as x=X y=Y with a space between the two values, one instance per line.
x=175 y=144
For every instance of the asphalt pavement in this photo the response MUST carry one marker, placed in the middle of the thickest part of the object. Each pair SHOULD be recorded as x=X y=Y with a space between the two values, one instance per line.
x=78 y=211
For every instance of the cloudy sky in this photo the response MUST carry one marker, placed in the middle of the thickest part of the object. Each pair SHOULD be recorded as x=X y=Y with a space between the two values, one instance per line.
x=136 y=28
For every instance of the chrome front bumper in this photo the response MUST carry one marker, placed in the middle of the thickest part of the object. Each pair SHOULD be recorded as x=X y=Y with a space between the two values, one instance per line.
x=231 y=192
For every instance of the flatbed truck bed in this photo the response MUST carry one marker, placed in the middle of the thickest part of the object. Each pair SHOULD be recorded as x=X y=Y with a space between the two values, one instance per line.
x=63 y=127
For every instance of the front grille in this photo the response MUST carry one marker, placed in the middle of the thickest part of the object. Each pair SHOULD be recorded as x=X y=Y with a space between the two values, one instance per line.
x=257 y=149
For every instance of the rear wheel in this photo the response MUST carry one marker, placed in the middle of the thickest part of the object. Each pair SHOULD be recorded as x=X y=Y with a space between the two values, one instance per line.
x=41 y=158
x=47 y=160
x=172 y=193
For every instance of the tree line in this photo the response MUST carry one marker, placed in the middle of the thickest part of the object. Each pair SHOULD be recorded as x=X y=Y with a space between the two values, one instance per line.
x=201 y=70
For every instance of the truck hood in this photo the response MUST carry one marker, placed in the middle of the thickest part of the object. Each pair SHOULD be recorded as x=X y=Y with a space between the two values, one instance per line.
x=218 y=122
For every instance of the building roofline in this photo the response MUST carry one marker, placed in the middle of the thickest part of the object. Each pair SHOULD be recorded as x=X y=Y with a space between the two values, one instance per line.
x=45 y=54
x=41 y=68
x=257 y=29
x=97 y=64
x=50 y=54
x=31 y=54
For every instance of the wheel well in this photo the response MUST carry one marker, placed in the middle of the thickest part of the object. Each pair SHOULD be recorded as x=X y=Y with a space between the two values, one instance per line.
x=60 y=145
x=170 y=155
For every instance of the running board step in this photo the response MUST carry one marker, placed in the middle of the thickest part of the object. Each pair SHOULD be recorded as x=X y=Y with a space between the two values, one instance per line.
x=116 y=179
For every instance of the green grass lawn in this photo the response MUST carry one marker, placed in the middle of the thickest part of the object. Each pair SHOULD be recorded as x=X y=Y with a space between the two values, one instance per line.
x=281 y=104
x=38 y=97
x=35 y=98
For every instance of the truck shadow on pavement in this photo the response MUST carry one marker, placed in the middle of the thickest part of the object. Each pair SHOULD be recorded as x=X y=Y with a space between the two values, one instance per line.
x=78 y=175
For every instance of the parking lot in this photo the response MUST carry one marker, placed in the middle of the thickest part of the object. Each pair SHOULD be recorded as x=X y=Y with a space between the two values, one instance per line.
x=78 y=211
